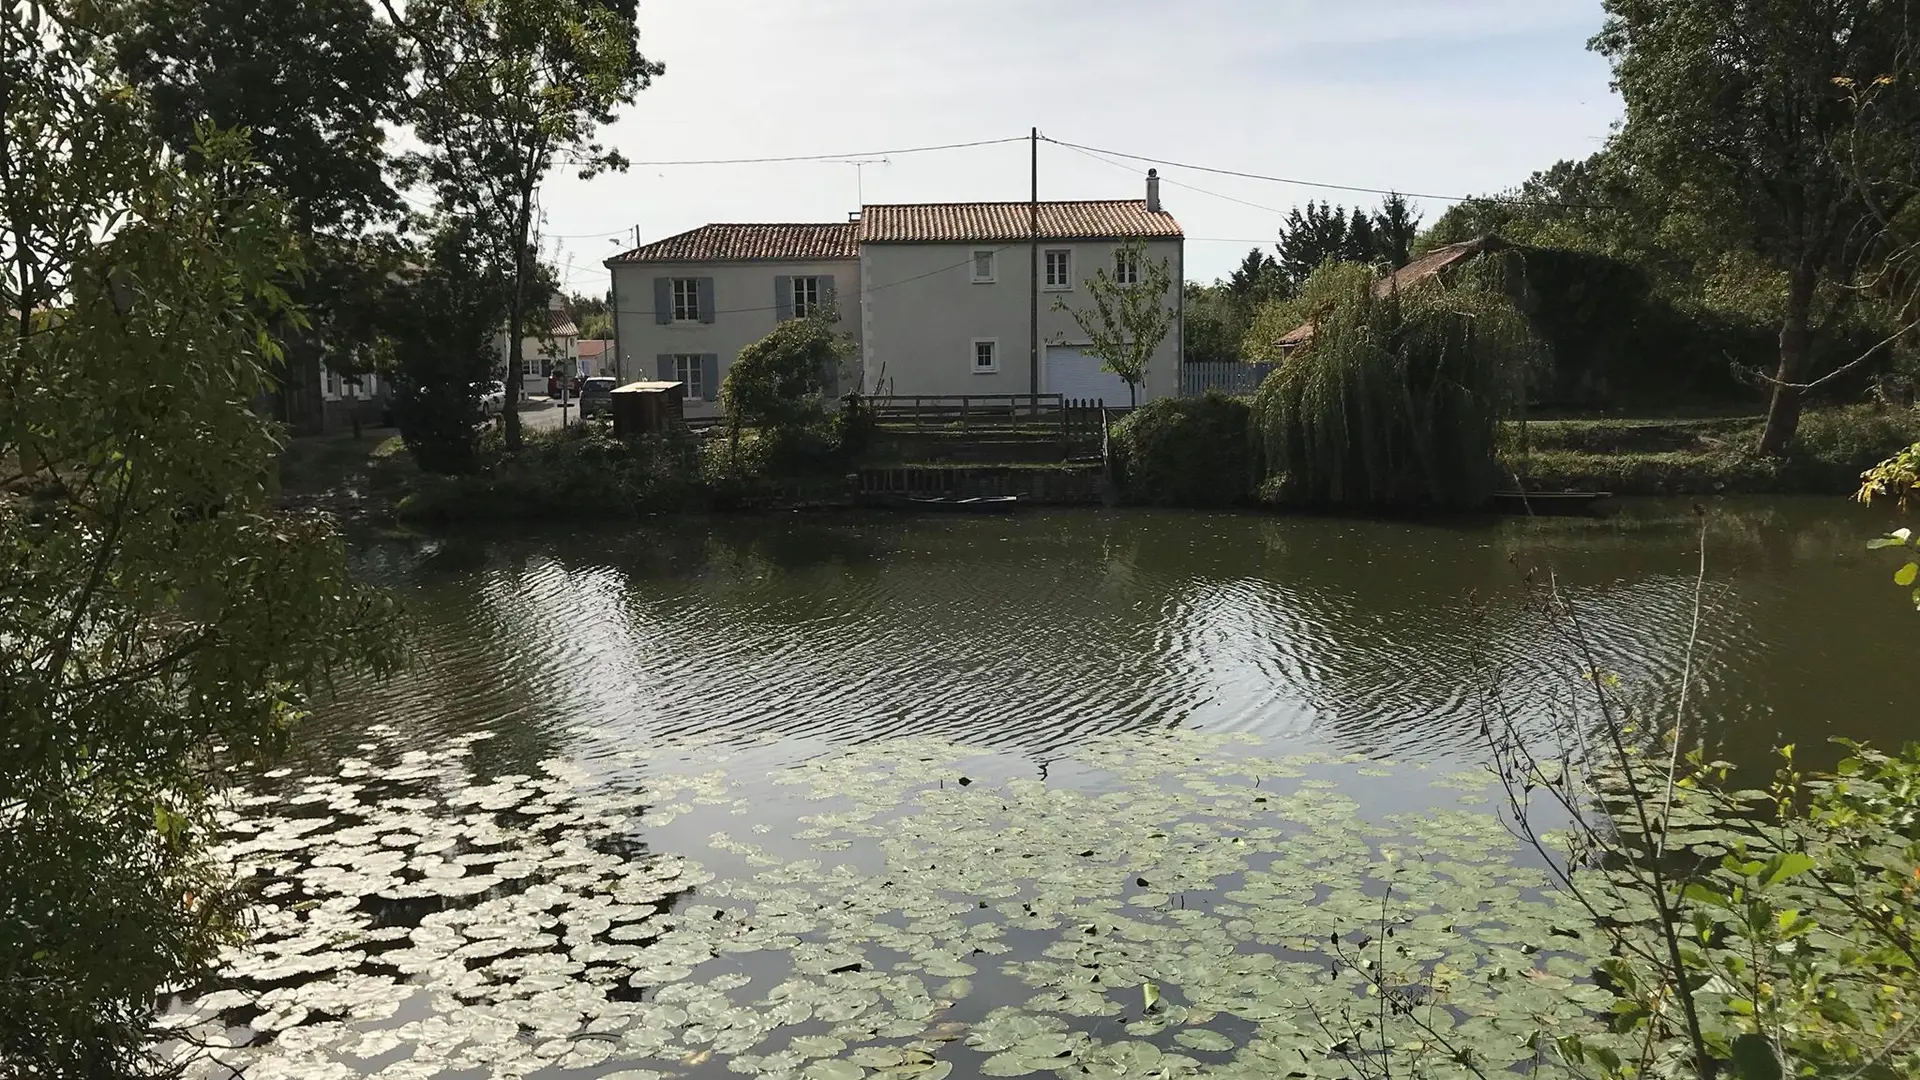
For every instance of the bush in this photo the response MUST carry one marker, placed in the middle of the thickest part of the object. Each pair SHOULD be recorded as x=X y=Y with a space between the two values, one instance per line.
x=578 y=472
x=780 y=380
x=1193 y=451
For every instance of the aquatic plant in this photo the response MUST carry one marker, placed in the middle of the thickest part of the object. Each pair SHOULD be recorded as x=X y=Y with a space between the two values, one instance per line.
x=1177 y=917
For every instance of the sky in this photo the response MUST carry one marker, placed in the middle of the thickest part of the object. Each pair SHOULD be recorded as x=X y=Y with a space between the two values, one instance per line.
x=1439 y=97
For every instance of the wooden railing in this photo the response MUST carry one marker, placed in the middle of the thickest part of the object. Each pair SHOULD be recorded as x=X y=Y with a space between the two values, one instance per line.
x=985 y=412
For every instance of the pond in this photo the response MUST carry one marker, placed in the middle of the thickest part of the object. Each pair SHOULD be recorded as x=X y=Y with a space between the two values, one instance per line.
x=1110 y=794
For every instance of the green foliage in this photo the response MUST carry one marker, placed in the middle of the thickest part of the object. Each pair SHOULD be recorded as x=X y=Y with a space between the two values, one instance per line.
x=1897 y=476
x=314 y=83
x=510 y=88
x=1129 y=320
x=1330 y=284
x=1396 y=401
x=1796 y=948
x=158 y=613
x=779 y=382
x=1215 y=323
x=1188 y=451
x=443 y=349
x=1750 y=124
x=1704 y=457
x=579 y=472
x=1321 y=233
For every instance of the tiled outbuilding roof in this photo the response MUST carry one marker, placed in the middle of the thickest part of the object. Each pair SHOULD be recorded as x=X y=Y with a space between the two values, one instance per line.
x=1426 y=266
x=1101 y=219
x=752 y=243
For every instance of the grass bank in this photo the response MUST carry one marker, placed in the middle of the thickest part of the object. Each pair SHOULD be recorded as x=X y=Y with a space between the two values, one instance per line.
x=1704 y=456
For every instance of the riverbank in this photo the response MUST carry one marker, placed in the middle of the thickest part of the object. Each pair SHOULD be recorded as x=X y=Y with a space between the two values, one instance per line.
x=1704 y=456
x=582 y=473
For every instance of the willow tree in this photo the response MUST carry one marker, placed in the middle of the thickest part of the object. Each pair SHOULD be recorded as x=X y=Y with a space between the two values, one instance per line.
x=507 y=90
x=1396 y=400
x=157 y=612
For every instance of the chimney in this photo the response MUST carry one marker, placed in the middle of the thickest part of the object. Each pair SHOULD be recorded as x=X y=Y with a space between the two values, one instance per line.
x=1153 y=191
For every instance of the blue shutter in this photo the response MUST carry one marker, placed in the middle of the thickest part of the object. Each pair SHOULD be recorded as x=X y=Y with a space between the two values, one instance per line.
x=706 y=299
x=662 y=300
x=710 y=376
x=666 y=369
x=782 y=298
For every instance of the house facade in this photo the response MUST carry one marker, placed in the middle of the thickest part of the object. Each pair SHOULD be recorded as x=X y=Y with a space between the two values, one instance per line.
x=555 y=352
x=685 y=306
x=937 y=297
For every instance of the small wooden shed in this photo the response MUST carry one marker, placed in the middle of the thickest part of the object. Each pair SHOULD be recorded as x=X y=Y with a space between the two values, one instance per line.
x=648 y=408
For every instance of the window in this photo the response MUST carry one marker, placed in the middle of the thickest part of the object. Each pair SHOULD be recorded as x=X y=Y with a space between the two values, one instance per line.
x=530 y=365
x=806 y=297
x=1059 y=270
x=687 y=369
x=983 y=268
x=986 y=356
x=686 y=299
x=1126 y=268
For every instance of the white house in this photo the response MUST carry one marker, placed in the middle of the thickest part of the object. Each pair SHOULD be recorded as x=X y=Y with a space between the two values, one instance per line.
x=685 y=306
x=555 y=352
x=937 y=296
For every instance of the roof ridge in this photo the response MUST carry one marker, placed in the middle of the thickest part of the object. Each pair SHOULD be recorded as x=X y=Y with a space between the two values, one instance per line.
x=1008 y=202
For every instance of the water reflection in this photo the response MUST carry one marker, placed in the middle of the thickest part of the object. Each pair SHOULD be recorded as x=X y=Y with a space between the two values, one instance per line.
x=1034 y=631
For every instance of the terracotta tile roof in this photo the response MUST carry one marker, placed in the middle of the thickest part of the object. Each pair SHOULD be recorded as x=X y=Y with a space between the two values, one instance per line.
x=752 y=243
x=1102 y=219
x=1420 y=269
x=592 y=348
x=560 y=324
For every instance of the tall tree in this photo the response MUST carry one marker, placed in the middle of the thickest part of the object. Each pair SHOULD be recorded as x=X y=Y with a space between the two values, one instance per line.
x=314 y=84
x=1361 y=245
x=1130 y=316
x=1256 y=280
x=1308 y=238
x=1733 y=105
x=1395 y=228
x=509 y=89
x=157 y=611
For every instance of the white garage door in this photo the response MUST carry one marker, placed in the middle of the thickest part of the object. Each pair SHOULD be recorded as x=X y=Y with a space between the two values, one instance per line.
x=1076 y=375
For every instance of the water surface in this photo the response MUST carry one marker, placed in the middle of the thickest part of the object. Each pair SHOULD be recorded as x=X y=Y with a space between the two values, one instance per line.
x=1075 y=792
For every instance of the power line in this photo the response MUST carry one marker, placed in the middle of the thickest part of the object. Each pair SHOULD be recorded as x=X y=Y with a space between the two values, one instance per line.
x=1512 y=201
x=833 y=158
x=1257 y=206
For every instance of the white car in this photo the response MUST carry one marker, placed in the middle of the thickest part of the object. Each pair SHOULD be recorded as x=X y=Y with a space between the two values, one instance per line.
x=493 y=399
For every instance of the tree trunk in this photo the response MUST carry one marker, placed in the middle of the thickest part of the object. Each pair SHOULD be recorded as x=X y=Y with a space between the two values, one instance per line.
x=516 y=316
x=1796 y=344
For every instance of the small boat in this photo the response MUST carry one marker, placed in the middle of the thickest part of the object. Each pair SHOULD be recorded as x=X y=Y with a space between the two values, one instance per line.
x=1548 y=503
x=978 y=504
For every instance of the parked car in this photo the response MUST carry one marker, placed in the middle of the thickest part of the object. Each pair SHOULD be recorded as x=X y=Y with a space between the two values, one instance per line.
x=596 y=396
x=493 y=398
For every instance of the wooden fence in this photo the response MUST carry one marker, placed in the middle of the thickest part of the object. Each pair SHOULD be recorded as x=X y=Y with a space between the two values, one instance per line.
x=1226 y=377
x=986 y=412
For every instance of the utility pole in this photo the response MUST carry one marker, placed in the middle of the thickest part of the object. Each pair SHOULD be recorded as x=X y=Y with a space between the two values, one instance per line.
x=1033 y=278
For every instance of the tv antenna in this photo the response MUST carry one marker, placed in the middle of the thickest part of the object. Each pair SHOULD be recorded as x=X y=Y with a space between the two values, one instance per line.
x=859 y=173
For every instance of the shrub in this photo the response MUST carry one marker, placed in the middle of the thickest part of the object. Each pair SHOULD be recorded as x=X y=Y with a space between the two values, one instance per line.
x=579 y=472
x=1193 y=451
x=780 y=380
x=1396 y=401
